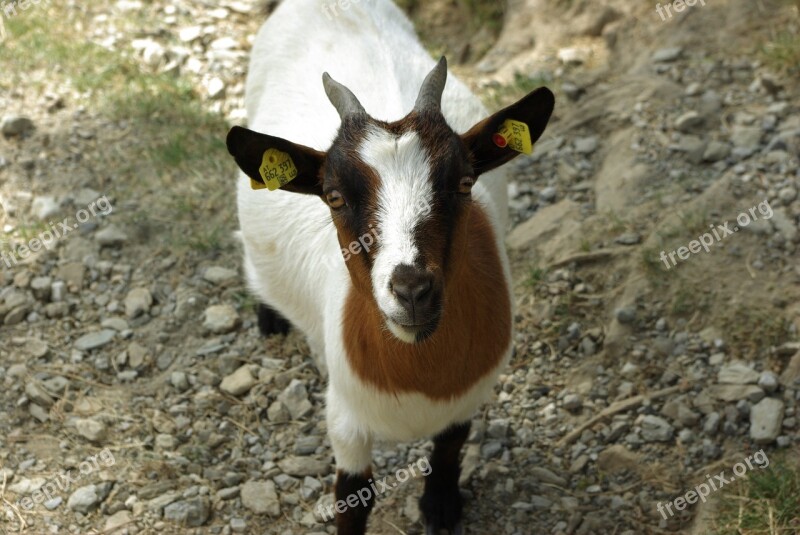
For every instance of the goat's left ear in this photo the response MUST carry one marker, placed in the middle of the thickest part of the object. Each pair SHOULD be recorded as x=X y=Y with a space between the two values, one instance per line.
x=274 y=162
x=490 y=151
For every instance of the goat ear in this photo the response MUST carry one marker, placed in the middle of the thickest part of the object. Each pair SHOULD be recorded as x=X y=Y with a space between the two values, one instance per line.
x=487 y=150
x=258 y=154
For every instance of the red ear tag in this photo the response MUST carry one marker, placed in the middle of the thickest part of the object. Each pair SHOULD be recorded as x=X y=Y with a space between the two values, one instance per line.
x=499 y=140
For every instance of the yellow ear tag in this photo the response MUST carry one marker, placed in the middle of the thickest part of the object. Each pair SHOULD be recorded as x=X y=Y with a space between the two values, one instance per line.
x=277 y=169
x=515 y=135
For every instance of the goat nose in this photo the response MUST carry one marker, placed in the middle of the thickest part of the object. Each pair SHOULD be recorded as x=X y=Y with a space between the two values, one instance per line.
x=411 y=287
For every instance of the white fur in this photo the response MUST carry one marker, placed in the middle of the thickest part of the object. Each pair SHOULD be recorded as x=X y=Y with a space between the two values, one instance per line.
x=404 y=201
x=292 y=258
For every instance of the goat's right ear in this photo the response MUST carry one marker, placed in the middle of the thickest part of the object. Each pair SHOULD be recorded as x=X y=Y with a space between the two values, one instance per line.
x=264 y=159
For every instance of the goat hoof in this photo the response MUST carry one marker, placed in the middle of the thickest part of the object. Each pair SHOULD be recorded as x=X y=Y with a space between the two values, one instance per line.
x=270 y=322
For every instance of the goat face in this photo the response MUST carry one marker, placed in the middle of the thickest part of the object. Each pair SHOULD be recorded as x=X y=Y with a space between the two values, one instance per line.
x=399 y=193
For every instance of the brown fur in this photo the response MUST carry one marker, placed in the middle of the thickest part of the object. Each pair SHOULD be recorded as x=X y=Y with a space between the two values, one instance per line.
x=472 y=336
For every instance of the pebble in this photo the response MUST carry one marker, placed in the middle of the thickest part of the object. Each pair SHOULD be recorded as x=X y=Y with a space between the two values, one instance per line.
x=84 y=499
x=768 y=382
x=90 y=429
x=111 y=236
x=239 y=382
x=138 y=302
x=586 y=145
x=666 y=55
x=16 y=125
x=656 y=429
x=94 y=340
x=190 y=513
x=220 y=275
x=221 y=319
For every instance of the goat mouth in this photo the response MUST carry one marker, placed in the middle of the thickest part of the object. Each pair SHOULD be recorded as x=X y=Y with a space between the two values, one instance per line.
x=412 y=333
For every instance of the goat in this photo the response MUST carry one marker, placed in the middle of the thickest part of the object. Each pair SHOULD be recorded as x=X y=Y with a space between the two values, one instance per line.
x=415 y=325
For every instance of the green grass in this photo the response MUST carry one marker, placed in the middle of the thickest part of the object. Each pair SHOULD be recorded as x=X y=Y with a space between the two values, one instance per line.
x=535 y=276
x=164 y=149
x=783 y=53
x=503 y=95
x=766 y=502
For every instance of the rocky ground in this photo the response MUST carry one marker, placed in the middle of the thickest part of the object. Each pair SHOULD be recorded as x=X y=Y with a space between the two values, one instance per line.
x=130 y=359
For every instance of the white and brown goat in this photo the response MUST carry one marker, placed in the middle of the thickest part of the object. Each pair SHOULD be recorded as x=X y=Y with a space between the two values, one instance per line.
x=416 y=326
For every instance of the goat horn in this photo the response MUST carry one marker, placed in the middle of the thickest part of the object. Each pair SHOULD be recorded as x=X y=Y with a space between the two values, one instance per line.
x=430 y=94
x=342 y=98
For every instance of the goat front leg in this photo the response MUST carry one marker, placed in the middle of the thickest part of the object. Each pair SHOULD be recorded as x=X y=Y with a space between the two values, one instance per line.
x=441 y=503
x=354 y=496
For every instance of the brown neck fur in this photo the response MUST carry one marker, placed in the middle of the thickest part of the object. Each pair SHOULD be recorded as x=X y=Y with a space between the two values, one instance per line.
x=473 y=334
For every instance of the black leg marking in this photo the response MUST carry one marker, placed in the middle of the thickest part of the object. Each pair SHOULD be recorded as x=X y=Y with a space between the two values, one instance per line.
x=441 y=503
x=270 y=322
x=357 y=499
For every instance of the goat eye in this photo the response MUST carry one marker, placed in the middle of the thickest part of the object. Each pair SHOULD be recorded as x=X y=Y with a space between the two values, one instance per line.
x=465 y=185
x=335 y=199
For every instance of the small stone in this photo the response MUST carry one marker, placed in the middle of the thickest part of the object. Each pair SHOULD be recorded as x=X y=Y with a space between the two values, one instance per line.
x=629 y=238
x=666 y=55
x=261 y=498
x=138 y=302
x=586 y=145
x=221 y=319
x=768 y=382
x=94 y=340
x=37 y=348
x=53 y=503
x=625 y=315
x=716 y=151
x=277 y=413
x=548 y=194
x=179 y=380
x=737 y=373
x=91 y=430
x=572 y=402
x=45 y=207
x=111 y=236
x=304 y=466
x=787 y=195
x=41 y=288
x=58 y=291
x=238 y=525
x=295 y=398
x=689 y=121
x=16 y=125
x=656 y=429
x=220 y=275
x=117 y=521
x=766 y=418
x=239 y=382
x=84 y=499
x=711 y=424
x=190 y=513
